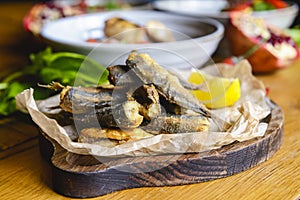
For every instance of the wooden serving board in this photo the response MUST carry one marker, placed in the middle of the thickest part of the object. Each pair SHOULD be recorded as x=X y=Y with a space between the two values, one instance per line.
x=83 y=176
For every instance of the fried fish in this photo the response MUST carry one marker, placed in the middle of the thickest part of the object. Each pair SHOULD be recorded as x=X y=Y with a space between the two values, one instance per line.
x=150 y=72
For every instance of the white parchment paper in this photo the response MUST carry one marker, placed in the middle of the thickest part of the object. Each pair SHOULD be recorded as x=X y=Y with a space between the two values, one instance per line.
x=244 y=117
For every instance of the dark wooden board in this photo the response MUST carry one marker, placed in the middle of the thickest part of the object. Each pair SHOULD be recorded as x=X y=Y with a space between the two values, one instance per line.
x=83 y=176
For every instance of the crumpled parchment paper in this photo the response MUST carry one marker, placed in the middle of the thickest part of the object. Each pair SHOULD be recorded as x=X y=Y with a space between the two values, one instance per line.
x=244 y=116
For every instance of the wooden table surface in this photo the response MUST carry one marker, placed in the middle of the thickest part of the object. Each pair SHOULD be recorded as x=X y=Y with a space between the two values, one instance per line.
x=25 y=175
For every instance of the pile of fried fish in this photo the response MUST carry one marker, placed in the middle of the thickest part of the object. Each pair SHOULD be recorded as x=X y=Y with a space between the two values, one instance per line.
x=143 y=99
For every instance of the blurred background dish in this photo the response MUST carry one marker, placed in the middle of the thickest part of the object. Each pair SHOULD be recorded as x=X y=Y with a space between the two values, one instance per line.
x=266 y=47
x=282 y=18
x=45 y=11
x=195 y=39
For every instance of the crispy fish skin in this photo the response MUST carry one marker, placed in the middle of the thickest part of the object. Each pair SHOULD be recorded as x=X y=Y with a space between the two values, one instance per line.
x=170 y=107
x=118 y=75
x=151 y=72
x=114 y=134
x=122 y=75
x=79 y=100
x=172 y=124
x=100 y=137
x=148 y=97
x=103 y=133
x=123 y=115
x=111 y=137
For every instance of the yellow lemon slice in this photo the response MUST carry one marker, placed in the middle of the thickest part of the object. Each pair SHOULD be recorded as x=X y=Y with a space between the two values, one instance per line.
x=220 y=92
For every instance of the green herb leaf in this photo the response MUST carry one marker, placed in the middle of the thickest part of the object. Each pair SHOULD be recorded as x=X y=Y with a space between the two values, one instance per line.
x=262 y=6
x=48 y=66
x=7 y=97
x=64 y=67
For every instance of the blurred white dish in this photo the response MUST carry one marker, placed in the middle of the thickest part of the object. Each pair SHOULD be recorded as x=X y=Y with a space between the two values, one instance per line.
x=281 y=18
x=71 y=33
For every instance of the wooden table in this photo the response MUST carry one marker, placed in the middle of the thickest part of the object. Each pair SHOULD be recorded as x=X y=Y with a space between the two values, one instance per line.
x=25 y=175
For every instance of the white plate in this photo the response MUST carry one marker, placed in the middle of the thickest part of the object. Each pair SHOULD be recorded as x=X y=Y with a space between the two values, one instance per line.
x=196 y=8
x=197 y=39
x=282 y=18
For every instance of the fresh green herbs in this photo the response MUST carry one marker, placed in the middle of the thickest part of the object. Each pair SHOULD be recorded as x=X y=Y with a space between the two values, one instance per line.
x=47 y=66
x=262 y=6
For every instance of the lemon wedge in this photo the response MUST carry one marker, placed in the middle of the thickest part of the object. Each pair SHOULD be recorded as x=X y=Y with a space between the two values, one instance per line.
x=220 y=92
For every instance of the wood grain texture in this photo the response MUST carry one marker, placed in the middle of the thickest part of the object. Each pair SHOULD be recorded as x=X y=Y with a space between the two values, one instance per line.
x=86 y=176
x=12 y=136
x=25 y=175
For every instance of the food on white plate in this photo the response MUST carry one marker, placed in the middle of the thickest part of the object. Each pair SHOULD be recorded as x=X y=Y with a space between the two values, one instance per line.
x=124 y=31
x=268 y=47
x=120 y=30
x=42 y=13
x=158 y=32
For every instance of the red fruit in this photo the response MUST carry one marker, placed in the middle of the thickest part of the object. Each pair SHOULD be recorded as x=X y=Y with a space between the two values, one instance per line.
x=38 y=15
x=278 y=3
x=239 y=7
x=274 y=48
x=228 y=61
